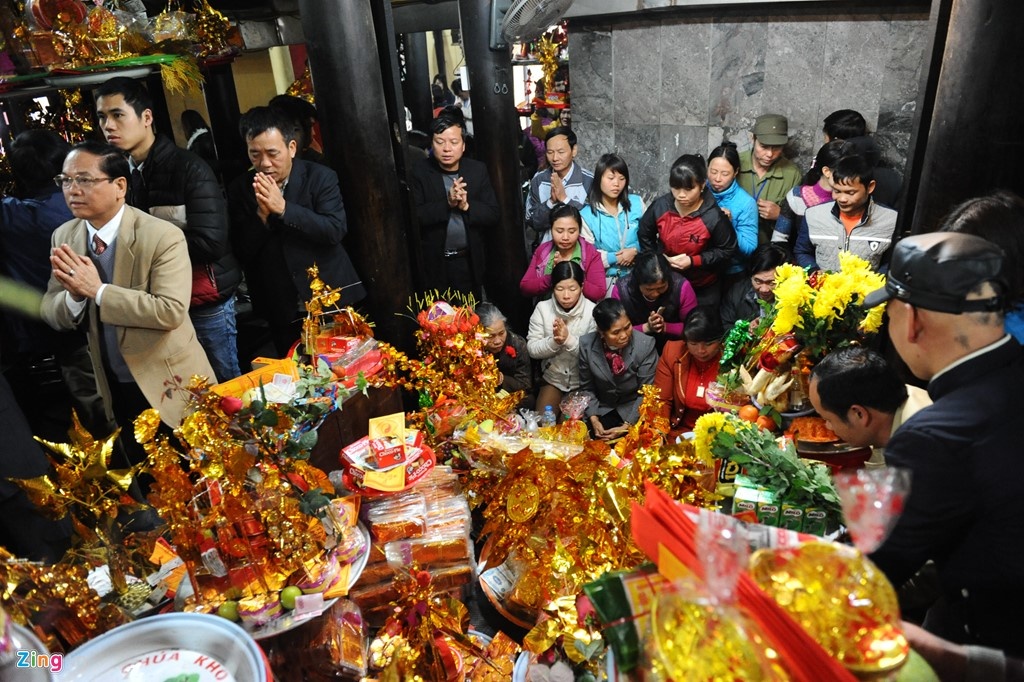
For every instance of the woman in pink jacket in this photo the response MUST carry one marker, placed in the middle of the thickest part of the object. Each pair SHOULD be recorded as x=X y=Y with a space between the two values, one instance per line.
x=566 y=244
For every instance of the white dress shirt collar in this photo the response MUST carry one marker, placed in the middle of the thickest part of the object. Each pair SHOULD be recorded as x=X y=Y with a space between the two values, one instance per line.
x=108 y=231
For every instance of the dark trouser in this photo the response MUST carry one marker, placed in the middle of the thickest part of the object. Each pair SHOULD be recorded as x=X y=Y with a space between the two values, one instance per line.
x=710 y=295
x=28 y=534
x=23 y=529
x=128 y=403
x=284 y=335
x=458 y=270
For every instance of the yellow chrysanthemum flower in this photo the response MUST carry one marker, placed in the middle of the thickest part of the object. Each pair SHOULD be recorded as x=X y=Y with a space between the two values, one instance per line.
x=873 y=320
x=834 y=295
x=704 y=431
x=792 y=294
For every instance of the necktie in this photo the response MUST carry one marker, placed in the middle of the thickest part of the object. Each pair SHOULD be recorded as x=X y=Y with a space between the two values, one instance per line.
x=138 y=187
x=98 y=245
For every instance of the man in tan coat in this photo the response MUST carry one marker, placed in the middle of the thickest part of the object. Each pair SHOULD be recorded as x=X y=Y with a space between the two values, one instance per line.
x=129 y=275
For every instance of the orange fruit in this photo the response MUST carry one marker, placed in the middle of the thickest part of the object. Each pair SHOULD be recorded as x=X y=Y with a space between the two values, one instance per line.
x=749 y=413
x=766 y=423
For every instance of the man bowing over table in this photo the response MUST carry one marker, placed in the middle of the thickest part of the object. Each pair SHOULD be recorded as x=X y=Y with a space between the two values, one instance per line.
x=129 y=275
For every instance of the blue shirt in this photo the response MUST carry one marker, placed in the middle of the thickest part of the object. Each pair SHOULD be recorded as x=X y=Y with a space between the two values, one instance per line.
x=612 y=233
x=744 y=223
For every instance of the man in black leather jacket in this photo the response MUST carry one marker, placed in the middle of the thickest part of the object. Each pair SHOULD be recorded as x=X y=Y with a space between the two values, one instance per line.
x=176 y=185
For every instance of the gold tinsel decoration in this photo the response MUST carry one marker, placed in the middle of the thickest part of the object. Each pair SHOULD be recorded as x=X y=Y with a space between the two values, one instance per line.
x=105 y=33
x=567 y=521
x=84 y=486
x=454 y=368
x=211 y=29
x=429 y=628
x=69 y=118
x=181 y=76
x=303 y=86
x=546 y=51
x=71 y=43
x=322 y=301
x=55 y=600
x=241 y=483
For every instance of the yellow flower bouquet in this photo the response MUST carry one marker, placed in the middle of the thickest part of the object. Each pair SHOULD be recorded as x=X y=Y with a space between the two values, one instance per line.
x=821 y=309
x=813 y=314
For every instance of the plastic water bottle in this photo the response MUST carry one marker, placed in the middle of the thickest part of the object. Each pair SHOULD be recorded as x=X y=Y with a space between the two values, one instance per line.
x=548 y=418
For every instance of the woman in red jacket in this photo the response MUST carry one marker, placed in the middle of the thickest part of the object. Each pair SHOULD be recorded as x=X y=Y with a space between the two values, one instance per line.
x=687 y=367
x=687 y=225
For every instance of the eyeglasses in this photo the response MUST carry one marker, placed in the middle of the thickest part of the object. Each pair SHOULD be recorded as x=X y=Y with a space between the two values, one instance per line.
x=86 y=183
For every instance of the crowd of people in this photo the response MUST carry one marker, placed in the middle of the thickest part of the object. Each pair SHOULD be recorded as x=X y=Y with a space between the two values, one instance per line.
x=140 y=253
x=680 y=271
x=139 y=248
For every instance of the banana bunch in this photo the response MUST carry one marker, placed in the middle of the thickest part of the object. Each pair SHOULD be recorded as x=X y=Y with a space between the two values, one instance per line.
x=767 y=388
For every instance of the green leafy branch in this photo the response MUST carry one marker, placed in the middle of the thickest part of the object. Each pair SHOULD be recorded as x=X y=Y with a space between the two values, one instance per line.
x=777 y=468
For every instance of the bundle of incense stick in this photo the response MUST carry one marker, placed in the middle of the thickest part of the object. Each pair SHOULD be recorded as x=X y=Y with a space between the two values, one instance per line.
x=663 y=525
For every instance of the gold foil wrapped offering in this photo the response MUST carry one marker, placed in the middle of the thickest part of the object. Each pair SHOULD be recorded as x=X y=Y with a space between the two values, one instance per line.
x=695 y=639
x=840 y=598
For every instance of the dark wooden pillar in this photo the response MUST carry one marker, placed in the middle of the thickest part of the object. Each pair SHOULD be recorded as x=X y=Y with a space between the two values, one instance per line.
x=387 y=54
x=161 y=117
x=348 y=82
x=496 y=132
x=222 y=105
x=969 y=139
x=416 y=88
x=442 y=67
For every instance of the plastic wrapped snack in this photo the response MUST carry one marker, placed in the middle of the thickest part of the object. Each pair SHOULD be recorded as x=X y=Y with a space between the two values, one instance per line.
x=396 y=518
x=374 y=596
x=333 y=646
x=441 y=482
x=430 y=549
x=573 y=429
x=449 y=516
x=375 y=573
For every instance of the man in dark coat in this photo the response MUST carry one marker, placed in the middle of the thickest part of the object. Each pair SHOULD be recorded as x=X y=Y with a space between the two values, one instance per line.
x=945 y=304
x=454 y=204
x=287 y=215
x=175 y=185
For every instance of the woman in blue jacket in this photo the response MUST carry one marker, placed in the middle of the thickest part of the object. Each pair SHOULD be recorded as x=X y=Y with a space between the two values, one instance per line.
x=723 y=167
x=611 y=217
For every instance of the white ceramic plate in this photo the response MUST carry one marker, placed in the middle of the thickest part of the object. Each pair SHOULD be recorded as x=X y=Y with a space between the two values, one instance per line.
x=287 y=621
x=203 y=647
x=522 y=667
x=23 y=639
x=81 y=80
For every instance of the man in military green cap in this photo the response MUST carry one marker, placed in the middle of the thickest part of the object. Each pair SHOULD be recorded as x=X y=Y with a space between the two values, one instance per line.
x=765 y=173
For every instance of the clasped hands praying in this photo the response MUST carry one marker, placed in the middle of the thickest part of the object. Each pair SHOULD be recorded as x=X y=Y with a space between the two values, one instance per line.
x=457 y=196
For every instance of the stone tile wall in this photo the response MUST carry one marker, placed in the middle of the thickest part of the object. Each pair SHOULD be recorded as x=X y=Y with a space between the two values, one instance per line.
x=656 y=88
